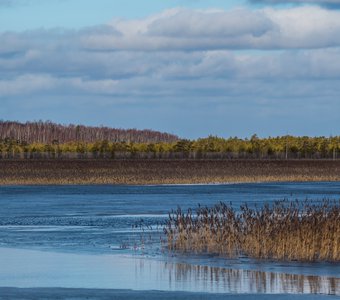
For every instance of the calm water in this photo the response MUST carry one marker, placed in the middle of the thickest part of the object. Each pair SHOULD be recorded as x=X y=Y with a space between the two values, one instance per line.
x=93 y=236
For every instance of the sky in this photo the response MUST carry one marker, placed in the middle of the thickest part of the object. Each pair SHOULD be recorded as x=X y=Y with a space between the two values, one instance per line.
x=189 y=67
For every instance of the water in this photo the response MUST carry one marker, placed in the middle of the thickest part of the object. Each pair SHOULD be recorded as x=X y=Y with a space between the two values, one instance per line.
x=46 y=269
x=108 y=232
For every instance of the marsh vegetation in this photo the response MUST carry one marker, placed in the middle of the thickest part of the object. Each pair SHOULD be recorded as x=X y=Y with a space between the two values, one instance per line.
x=285 y=230
x=165 y=171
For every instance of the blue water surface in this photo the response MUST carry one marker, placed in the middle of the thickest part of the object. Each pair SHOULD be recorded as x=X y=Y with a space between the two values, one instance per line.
x=105 y=236
x=104 y=218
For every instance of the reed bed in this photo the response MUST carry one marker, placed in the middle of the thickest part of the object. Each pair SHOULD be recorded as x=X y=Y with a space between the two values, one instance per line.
x=299 y=230
x=164 y=171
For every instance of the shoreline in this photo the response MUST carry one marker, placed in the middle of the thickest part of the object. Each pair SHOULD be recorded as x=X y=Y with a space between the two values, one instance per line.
x=65 y=293
x=164 y=184
x=165 y=172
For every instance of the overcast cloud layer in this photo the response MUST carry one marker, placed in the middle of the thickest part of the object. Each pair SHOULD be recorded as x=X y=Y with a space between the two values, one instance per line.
x=236 y=72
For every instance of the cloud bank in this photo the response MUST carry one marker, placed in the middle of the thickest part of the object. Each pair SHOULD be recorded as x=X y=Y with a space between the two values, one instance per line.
x=330 y=4
x=181 y=29
x=190 y=30
x=322 y=2
x=265 y=64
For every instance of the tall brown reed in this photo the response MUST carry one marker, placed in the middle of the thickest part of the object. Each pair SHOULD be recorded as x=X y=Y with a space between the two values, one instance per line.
x=299 y=230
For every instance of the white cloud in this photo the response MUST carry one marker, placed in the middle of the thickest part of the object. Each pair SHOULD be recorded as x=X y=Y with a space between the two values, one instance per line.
x=41 y=83
x=105 y=86
x=25 y=84
x=181 y=57
x=322 y=2
x=182 y=29
x=306 y=27
x=122 y=65
x=210 y=24
x=158 y=75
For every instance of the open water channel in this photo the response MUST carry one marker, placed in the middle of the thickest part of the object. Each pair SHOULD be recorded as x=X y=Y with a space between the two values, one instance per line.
x=110 y=237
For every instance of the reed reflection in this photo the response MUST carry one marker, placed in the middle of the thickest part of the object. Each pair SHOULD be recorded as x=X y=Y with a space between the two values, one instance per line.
x=216 y=279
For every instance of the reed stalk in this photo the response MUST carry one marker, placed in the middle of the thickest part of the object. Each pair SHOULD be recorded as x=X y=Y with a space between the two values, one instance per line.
x=299 y=230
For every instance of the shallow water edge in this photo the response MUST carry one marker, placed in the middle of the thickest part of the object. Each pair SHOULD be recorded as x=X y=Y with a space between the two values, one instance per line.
x=68 y=294
x=43 y=269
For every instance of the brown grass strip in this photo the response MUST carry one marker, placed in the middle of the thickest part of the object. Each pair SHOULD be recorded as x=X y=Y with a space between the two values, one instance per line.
x=16 y=172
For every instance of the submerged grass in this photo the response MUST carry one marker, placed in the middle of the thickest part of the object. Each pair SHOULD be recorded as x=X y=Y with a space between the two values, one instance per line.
x=300 y=230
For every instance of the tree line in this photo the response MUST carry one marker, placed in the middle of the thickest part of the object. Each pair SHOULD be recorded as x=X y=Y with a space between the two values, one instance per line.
x=282 y=147
x=52 y=133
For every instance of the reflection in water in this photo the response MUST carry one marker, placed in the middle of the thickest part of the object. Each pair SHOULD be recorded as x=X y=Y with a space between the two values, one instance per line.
x=30 y=268
x=183 y=276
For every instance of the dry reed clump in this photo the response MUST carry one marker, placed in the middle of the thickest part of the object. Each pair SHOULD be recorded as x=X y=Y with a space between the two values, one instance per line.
x=300 y=230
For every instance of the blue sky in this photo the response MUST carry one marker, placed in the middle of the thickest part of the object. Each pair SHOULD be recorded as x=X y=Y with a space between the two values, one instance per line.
x=188 y=67
x=31 y=14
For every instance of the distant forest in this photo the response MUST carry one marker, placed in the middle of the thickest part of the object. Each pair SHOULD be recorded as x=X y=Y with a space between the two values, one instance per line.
x=46 y=140
x=52 y=133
